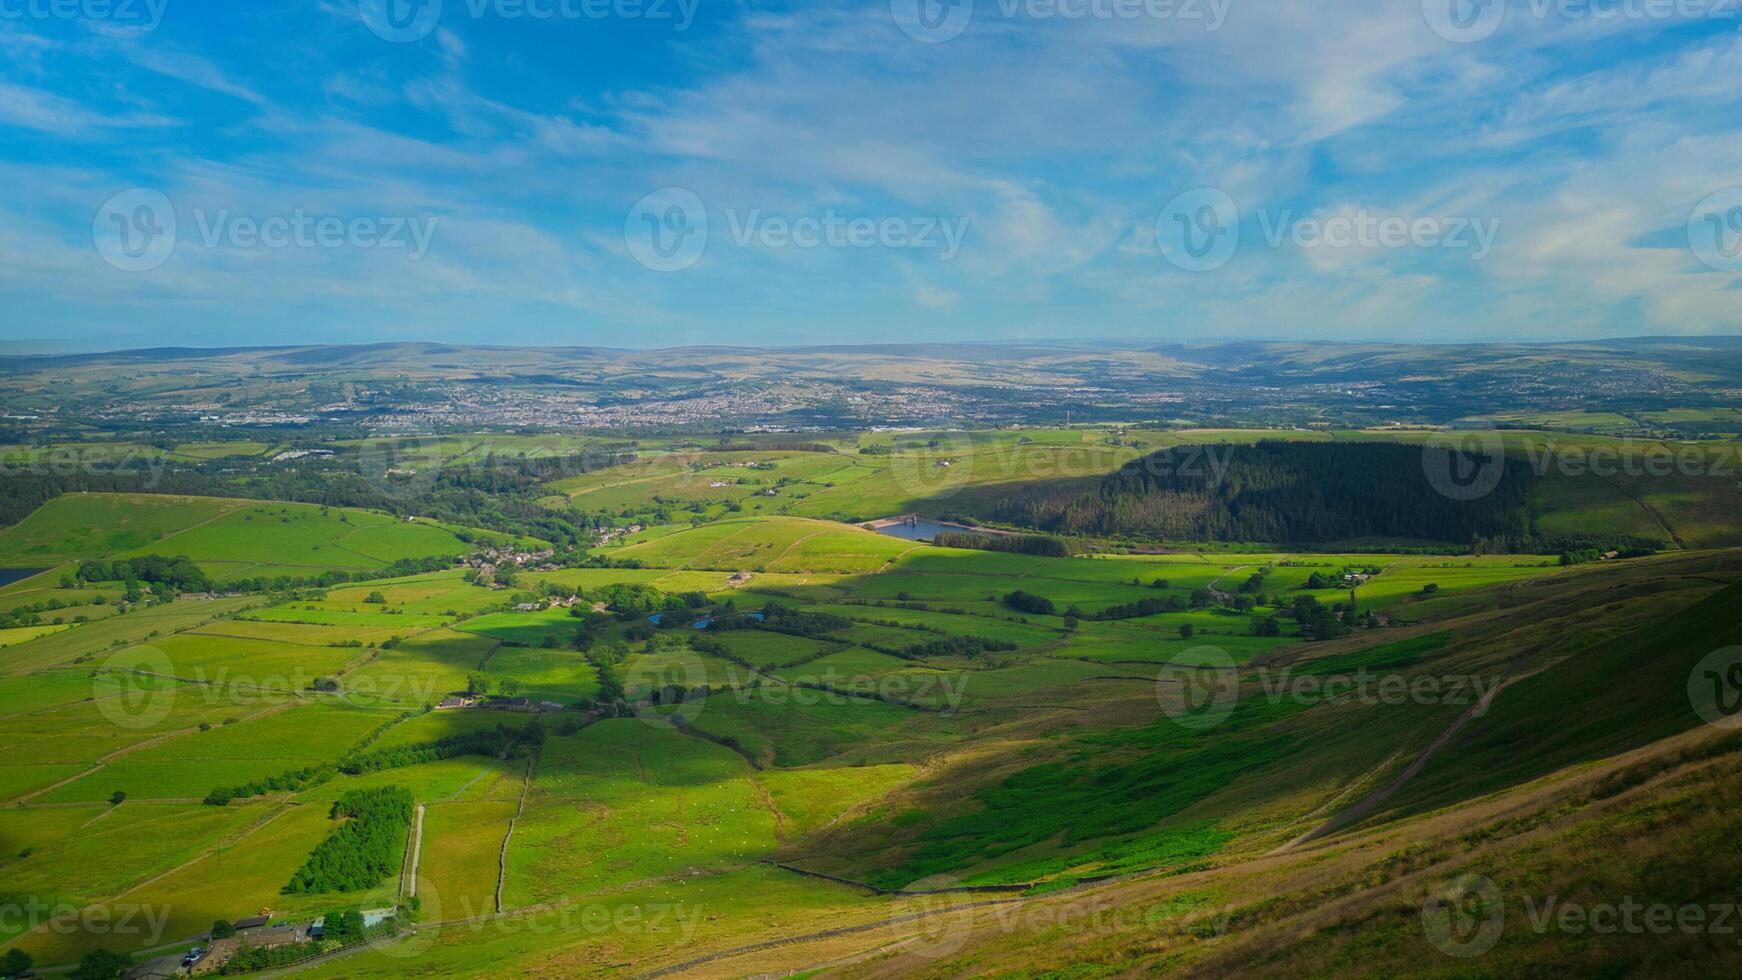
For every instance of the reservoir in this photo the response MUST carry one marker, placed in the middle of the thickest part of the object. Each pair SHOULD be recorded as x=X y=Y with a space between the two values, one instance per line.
x=922 y=529
x=10 y=575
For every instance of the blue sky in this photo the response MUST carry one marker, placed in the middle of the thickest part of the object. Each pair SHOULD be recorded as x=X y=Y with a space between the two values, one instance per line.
x=664 y=172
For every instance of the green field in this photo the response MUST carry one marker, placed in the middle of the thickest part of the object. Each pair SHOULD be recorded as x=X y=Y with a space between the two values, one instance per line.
x=231 y=538
x=771 y=545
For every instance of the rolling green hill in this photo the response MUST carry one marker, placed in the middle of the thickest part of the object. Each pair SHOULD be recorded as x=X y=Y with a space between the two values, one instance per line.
x=229 y=538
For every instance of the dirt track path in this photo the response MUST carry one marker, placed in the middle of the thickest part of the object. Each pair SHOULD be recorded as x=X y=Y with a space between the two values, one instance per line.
x=1378 y=798
x=408 y=886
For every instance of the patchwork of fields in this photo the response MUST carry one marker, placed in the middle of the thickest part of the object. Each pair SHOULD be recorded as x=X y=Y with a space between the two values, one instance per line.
x=900 y=717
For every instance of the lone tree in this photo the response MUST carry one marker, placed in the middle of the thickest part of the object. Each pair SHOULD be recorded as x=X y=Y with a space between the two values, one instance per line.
x=1187 y=631
x=102 y=964
x=16 y=963
x=223 y=929
x=117 y=798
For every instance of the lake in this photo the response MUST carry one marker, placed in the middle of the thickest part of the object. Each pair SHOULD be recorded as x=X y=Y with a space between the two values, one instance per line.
x=10 y=575
x=923 y=530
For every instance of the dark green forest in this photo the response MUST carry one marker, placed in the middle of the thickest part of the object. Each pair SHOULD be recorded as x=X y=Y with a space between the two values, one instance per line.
x=1284 y=493
x=363 y=850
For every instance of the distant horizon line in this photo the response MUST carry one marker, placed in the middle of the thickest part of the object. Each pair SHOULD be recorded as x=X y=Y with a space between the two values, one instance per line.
x=1104 y=343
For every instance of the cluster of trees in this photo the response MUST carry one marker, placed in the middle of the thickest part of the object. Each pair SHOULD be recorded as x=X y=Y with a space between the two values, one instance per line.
x=1284 y=492
x=1028 y=602
x=500 y=741
x=326 y=580
x=179 y=573
x=630 y=601
x=1336 y=580
x=362 y=850
x=1319 y=621
x=1579 y=556
x=16 y=963
x=102 y=964
x=782 y=618
x=289 y=781
x=1134 y=610
x=959 y=646
x=1021 y=544
x=31 y=615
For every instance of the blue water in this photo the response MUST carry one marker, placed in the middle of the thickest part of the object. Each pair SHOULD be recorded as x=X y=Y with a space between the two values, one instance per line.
x=702 y=624
x=10 y=575
x=923 y=530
